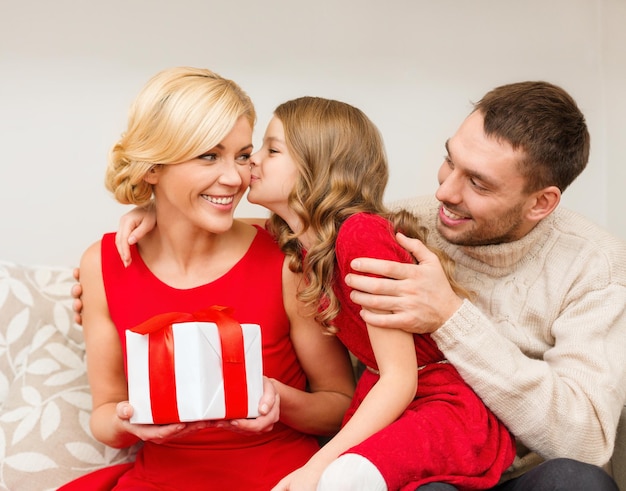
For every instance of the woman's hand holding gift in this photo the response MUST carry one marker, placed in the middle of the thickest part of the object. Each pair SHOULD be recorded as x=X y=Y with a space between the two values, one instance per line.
x=152 y=432
x=269 y=413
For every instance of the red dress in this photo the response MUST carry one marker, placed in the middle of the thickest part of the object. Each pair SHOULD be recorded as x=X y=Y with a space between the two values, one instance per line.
x=211 y=459
x=446 y=434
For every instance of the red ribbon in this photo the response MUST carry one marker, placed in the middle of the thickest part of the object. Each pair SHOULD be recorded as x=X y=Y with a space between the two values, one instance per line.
x=161 y=361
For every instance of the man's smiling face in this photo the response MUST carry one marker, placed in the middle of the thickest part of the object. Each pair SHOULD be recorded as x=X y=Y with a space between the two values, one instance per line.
x=481 y=190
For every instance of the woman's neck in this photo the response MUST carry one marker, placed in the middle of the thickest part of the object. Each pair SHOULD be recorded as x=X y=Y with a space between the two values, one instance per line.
x=187 y=258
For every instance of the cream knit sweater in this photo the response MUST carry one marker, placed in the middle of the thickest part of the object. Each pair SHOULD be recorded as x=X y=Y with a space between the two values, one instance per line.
x=544 y=341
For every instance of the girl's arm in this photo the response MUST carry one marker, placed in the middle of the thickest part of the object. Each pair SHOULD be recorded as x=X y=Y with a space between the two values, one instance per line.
x=326 y=364
x=395 y=355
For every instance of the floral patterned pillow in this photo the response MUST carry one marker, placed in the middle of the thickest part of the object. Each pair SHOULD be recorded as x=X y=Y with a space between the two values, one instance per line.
x=45 y=402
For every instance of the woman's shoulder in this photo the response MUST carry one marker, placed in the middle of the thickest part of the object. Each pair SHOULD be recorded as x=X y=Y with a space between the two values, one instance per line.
x=91 y=253
x=94 y=251
x=90 y=265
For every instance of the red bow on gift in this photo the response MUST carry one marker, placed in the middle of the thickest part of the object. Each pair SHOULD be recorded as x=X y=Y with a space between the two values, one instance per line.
x=161 y=349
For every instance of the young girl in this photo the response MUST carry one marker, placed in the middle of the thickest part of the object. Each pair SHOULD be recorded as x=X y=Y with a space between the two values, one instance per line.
x=188 y=146
x=322 y=171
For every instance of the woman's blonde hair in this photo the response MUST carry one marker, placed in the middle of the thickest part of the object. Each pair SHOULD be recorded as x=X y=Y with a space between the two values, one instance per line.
x=342 y=170
x=178 y=115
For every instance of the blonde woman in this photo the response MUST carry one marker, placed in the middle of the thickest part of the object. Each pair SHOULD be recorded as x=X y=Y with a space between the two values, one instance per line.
x=187 y=147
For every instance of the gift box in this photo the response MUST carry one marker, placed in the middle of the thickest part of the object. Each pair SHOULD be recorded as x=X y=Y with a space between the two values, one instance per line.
x=192 y=367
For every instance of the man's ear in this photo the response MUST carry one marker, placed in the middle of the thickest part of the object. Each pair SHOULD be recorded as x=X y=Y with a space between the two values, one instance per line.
x=543 y=203
x=152 y=176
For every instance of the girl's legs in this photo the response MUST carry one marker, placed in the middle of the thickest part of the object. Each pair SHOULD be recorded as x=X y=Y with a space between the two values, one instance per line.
x=351 y=472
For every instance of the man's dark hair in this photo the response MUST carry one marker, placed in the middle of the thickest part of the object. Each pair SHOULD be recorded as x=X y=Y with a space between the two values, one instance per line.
x=543 y=121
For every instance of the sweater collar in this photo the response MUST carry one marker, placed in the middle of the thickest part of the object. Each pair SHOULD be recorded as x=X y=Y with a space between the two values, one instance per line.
x=500 y=256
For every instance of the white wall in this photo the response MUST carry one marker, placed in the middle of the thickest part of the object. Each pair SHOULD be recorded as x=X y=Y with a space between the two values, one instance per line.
x=70 y=68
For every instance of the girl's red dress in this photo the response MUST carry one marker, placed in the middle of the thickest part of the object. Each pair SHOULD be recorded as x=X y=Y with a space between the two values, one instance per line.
x=446 y=434
x=211 y=459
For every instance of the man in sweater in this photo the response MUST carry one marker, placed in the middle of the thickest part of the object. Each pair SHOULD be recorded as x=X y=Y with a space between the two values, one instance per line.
x=543 y=338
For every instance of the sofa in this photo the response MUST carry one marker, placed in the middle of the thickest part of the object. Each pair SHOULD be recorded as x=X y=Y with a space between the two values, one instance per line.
x=45 y=402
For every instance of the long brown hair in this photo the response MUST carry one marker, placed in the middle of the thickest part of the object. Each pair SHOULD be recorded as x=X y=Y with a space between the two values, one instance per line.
x=343 y=170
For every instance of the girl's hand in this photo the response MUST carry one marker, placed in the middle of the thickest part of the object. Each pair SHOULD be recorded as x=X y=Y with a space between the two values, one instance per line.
x=133 y=226
x=303 y=479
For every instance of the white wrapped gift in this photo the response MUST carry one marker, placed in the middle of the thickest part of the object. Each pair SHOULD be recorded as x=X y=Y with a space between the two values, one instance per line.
x=196 y=370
